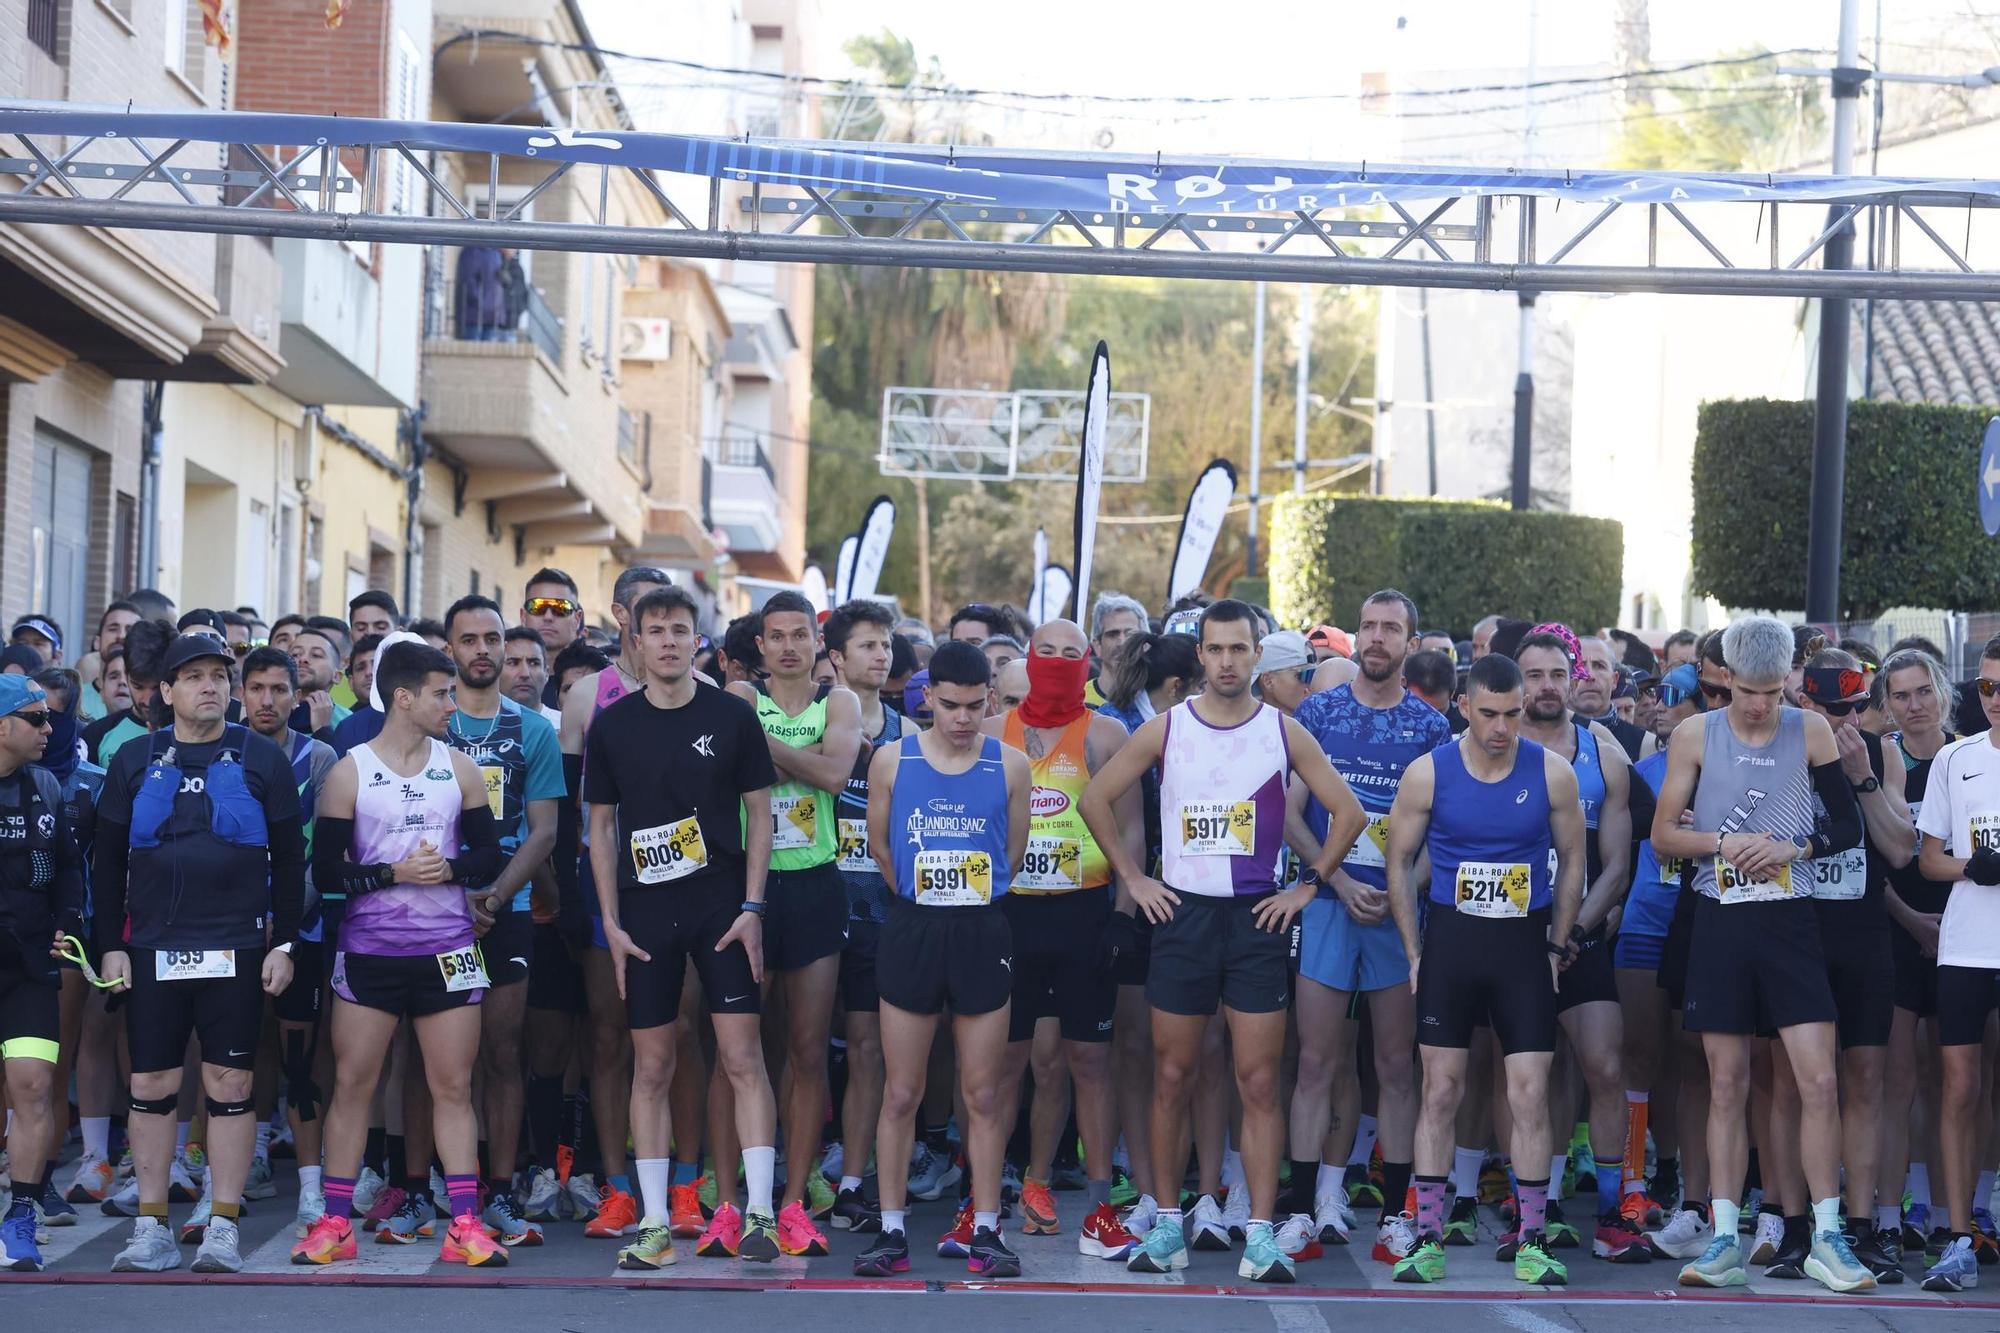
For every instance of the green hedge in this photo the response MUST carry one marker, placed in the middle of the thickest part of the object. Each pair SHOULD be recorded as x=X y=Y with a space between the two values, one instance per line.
x=1910 y=531
x=1459 y=560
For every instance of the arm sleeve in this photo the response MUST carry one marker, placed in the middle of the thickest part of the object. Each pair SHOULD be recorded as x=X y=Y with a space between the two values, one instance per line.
x=569 y=827
x=481 y=861
x=331 y=869
x=107 y=878
x=1843 y=827
x=288 y=875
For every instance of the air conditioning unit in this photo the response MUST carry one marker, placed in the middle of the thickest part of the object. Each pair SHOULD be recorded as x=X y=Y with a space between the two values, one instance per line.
x=645 y=339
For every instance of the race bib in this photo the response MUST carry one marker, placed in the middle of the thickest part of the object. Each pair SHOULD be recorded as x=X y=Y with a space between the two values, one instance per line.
x=668 y=852
x=1372 y=847
x=193 y=964
x=794 y=822
x=1982 y=830
x=1670 y=870
x=463 y=969
x=1218 y=828
x=1916 y=812
x=496 y=787
x=954 y=878
x=1052 y=865
x=1493 y=888
x=1841 y=877
x=853 y=852
x=1733 y=886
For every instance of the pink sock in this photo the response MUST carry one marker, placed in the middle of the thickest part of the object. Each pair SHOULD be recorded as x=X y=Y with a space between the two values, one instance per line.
x=1534 y=1196
x=1430 y=1205
x=339 y=1196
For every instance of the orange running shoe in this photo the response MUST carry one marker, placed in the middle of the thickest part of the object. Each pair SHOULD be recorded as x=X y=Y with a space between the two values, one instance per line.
x=797 y=1234
x=565 y=1160
x=957 y=1242
x=684 y=1215
x=724 y=1234
x=466 y=1242
x=1038 y=1209
x=1640 y=1210
x=330 y=1238
x=617 y=1215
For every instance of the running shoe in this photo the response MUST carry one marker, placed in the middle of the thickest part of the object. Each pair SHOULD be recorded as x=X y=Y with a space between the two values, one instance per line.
x=820 y=1197
x=759 y=1242
x=832 y=1163
x=1333 y=1220
x=1790 y=1261
x=1985 y=1250
x=1423 y=1264
x=1618 y=1241
x=1939 y=1238
x=18 y=1247
x=705 y=1190
x=889 y=1254
x=931 y=1174
x=545 y=1194
x=368 y=1187
x=312 y=1207
x=1141 y=1216
x=1882 y=1254
x=94 y=1180
x=1162 y=1251
x=150 y=1250
x=1206 y=1229
x=1361 y=1191
x=796 y=1233
x=124 y=1202
x=1010 y=1180
x=1038 y=1210
x=1720 y=1265
x=1263 y=1260
x=1236 y=1212
x=1494 y=1187
x=504 y=1222
x=1535 y=1265
x=466 y=1242
x=1752 y=1208
x=56 y=1210
x=957 y=1242
x=652 y=1248
x=261 y=1183
x=584 y=1199
x=389 y=1201
x=126 y=1169
x=1916 y=1226
x=1982 y=1222
x=1395 y=1239
x=414 y=1220
x=1641 y=1210
x=197 y=1222
x=1955 y=1269
x=684 y=1215
x=328 y=1239
x=617 y=1215
x=1123 y=1192
x=988 y=1256
x=1769 y=1239
x=1685 y=1236
x=723 y=1236
x=1068 y=1176
x=1299 y=1239
x=221 y=1248
x=1510 y=1242
x=1462 y=1226
x=185 y=1175
x=1832 y=1264
x=853 y=1212
x=1103 y=1236
x=1557 y=1233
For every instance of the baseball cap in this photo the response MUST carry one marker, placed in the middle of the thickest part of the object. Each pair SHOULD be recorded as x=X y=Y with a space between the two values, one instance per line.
x=1680 y=683
x=199 y=620
x=17 y=692
x=913 y=695
x=41 y=627
x=1331 y=637
x=192 y=647
x=1284 y=650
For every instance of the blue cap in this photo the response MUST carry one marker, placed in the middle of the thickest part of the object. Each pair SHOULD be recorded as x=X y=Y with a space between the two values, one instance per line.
x=17 y=692
x=913 y=695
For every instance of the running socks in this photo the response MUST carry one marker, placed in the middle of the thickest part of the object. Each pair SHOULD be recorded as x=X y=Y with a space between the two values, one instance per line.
x=1727 y=1214
x=26 y=1192
x=759 y=1166
x=1364 y=1141
x=1637 y=1105
x=1608 y=1183
x=339 y=1196
x=1430 y=1205
x=463 y=1192
x=1465 y=1167
x=654 y=1173
x=686 y=1173
x=96 y=1135
x=1395 y=1187
x=1534 y=1199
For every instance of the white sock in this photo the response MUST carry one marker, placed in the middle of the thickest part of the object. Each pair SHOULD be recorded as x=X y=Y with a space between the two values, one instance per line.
x=309 y=1178
x=1364 y=1141
x=1232 y=1168
x=1826 y=1215
x=97 y=1135
x=986 y=1221
x=1557 y=1165
x=892 y=1219
x=181 y=1130
x=1725 y=1213
x=654 y=1174
x=1920 y=1185
x=1465 y=1164
x=849 y=1183
x=263 y=1149
x=1982 y=1193
x=1328 y=1185
x=759 y=1166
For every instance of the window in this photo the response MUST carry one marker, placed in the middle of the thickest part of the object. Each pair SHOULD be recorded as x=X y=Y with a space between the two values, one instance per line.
x=176 y=12
x=60 y=535
x=406 y=102
x=42 y=18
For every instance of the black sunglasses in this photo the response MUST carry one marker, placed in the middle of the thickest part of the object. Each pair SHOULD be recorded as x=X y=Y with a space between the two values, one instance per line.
x=36 y=718
x=1720 y=693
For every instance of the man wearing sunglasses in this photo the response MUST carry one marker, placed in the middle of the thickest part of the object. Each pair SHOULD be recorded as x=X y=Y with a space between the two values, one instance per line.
x=41 y=900
x=553 y=609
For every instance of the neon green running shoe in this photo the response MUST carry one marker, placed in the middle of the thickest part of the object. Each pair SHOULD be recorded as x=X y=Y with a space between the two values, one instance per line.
x=1533 y=1263
x=1425 y=1264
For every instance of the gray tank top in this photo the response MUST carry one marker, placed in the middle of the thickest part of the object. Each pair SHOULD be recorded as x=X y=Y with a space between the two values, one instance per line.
x=1754 y=789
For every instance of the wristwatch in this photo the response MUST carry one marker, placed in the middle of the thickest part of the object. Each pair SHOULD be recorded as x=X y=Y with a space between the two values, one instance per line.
x=1868 y=784
x=1310 y=876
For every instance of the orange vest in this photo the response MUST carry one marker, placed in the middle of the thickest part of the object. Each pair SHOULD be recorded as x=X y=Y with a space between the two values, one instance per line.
x=1062 y=857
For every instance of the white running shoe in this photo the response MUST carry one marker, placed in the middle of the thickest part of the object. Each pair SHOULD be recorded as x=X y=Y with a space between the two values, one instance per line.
x=584 y=1198
x=94 y=1180
x=1296 y=1234
x=1236 y=1212
x=1395 y=1239
x=544 y=1196
x=1205 y=1228
x=151 y=1249
x=1769 y=1240
x=831 y=1161
x=186 y=1178
x=221 y=1248
x=312 y=1207
x=931 y=1173
x=1333 y=1220
x=197 y=1222
x=1685 y=1236
x=261 y=1184
x=125 y=1203
x=1142 y=1216
x=368 y=1187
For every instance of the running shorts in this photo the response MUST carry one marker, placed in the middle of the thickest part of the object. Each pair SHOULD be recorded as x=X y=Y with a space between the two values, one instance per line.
x=409 y=986
x=1340 y=953
x=225 y=1013
x=1756 y=968
x=859 y=993
x=805 y=919
x=1056 y=938
x=1495 y=970
x=1861 y=968
x=30 y=1018
x=1965 y=999
x=933 y=958
x=1592 y=978
x=678 y=926
x=555 y=979
x=300 y=1001
x=1211 y=952
x=509 y=946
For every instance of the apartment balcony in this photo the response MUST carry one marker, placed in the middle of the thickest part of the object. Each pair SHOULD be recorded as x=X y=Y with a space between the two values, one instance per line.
x=349 y=333
x=744 y=496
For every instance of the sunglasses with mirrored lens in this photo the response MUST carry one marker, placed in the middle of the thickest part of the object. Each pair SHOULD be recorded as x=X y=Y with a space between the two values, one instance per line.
x=550 y=606
x=1671 y=696
x=1987 y=687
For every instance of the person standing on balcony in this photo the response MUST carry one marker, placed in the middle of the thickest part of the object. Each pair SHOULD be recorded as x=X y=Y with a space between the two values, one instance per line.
x=481 y=304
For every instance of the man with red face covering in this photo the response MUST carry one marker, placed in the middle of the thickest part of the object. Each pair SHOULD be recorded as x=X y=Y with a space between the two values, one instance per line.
x=1069 y=928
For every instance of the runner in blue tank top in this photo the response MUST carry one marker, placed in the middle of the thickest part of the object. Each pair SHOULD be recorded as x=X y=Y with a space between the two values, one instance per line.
x=947 y=825
x=1489 y=809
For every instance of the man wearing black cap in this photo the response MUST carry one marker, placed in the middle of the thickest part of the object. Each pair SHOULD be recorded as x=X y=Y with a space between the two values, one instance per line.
x=200 y=845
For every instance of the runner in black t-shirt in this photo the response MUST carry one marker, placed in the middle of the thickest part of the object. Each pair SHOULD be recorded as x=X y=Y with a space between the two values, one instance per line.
x=666 y=771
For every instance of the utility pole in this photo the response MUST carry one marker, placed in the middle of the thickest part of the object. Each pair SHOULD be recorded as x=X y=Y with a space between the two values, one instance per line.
x=1522 y=472
x=1829 y=455
x=1256 y=421
x=1303 y=334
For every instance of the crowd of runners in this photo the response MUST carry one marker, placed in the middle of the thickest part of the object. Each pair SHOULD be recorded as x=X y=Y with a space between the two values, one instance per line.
x=1249 y=938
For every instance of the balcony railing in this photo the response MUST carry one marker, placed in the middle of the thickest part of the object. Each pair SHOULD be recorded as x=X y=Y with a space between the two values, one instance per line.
x=746 y=449
x=536 y=322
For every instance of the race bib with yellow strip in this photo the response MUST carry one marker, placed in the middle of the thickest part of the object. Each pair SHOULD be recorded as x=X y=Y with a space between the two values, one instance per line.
x=1218 y=828
x=668 y=852
x=193 y=964
x=1982 y=830
x=954 y=878
x=463 y=969
x=1670 y=870
x=1372 y=847
x=794 y=822
x=1841 y=877
x=1733 y=886
x=496 y=787
x=1052 y=865
x=1494 y=888
x=852 y=855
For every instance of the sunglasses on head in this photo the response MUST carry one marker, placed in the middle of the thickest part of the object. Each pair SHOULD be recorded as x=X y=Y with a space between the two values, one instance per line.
x=550 y=606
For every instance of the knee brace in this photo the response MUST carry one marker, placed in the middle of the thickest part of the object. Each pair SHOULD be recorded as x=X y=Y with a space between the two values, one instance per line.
x=300 y=1090
x=156 y=1105
x=216 y=1108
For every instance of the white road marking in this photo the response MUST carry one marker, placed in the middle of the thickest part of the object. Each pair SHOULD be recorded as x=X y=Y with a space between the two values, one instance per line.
x=1297 y=1317
x=1518 y=1316
x=64 y=1241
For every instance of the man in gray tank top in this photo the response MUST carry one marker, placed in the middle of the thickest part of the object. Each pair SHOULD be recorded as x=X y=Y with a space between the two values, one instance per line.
x=1755 y=962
